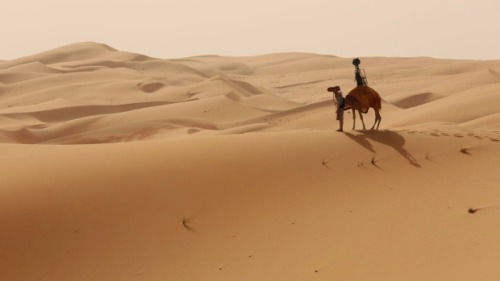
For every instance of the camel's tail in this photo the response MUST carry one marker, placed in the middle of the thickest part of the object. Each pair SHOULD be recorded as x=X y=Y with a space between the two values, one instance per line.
x=377 y=101
x=378 y=104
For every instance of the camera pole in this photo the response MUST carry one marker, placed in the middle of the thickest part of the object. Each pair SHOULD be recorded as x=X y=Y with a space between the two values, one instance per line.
x=359 y=74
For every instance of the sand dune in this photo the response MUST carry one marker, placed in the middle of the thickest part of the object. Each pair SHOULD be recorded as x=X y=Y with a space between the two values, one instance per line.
x=120 y=166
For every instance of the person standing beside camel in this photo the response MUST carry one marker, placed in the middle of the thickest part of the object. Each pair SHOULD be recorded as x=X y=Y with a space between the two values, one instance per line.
x=340 y=104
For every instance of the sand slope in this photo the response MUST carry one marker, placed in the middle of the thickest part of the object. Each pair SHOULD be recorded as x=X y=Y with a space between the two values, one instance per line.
x=119 y=166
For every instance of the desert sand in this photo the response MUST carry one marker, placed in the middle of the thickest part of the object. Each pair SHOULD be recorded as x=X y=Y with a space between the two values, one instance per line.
x=120 y=166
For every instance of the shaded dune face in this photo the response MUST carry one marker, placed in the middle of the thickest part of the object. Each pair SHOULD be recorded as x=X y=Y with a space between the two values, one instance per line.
x=151 y=87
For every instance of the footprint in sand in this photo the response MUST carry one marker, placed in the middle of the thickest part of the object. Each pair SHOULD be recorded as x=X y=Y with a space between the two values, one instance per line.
x=493 y=139
x=458 y=135
x=445 y=134
x=478 y=137
x=435 y=134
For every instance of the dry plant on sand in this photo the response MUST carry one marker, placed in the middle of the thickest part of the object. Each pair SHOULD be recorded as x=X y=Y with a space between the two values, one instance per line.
x=472 y=210
x=465 y=150
x=325 y=163
x=186 y=223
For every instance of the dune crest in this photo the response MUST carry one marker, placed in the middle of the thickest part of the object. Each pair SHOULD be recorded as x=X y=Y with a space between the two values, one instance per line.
x=96 y=75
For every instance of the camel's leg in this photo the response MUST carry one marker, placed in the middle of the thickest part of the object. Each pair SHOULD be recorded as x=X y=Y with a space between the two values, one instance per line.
x=378 y=119
x=361 y=117
x=353 y=118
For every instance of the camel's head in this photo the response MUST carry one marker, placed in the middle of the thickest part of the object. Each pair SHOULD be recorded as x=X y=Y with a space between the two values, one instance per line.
x=333 y=89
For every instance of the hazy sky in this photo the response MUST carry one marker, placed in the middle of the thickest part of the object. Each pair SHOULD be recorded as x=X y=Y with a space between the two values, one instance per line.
x=462 y=29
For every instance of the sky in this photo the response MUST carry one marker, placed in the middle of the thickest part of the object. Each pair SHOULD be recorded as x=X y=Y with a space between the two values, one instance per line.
x=456 y=29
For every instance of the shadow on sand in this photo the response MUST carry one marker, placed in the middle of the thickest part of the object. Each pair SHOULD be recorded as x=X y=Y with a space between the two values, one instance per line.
x=389 y=138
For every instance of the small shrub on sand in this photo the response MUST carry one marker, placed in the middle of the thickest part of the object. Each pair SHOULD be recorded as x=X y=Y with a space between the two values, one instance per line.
x=465 y=150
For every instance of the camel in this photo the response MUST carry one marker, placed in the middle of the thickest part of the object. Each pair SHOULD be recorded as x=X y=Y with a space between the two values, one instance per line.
x=361 y=99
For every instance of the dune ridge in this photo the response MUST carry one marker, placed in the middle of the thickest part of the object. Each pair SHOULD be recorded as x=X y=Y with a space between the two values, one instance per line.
x=98 y=76
x=120 y=166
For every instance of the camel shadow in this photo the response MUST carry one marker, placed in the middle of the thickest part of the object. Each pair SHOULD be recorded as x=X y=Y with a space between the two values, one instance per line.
x=389 y=138
x=360 y=139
